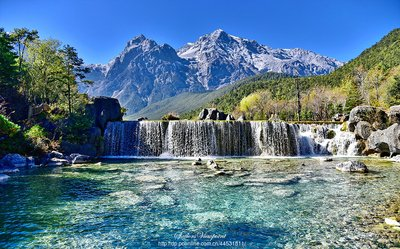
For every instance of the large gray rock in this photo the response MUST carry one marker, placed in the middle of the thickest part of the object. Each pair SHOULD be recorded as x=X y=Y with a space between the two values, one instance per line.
x=352 y=166
x=363 y=130
x=375 y=116
x=385 y=142
x=103 y=110
x=212 y=114
x=14 y=160
x=394 y=114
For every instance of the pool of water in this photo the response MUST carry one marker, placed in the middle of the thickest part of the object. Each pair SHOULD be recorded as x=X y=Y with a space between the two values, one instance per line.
x=259 y=203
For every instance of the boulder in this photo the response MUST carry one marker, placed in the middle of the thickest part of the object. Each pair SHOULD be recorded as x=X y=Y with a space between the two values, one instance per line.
x=363 y=130
x=242 y=118
x=211 y=164
x=103 y=110
x=375 y=116
x=55 y=154
x=394 y=114
x=203 y=114
x=385 y=142
x=352 y=166
x=229 y=117
x=14 y=160
x=142 y=119
x=212 y=114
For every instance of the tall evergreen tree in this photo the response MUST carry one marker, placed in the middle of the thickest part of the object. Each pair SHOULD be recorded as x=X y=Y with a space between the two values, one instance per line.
x=8 y=67
x=76 y=72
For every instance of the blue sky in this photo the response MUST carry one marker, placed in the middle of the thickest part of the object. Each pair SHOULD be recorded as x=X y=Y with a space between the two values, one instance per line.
x=100 y=29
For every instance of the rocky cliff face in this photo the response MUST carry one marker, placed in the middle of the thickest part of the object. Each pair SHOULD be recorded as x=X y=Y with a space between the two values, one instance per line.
x=146 y=72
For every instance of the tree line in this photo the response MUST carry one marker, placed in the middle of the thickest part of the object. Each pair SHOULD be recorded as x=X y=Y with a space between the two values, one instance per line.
x=42 y=70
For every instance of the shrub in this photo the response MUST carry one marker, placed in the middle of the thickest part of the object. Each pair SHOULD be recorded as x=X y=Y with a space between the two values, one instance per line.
x=36 y=131
x=8 y=128
x=170 y=116
x=75 y=128
x=37 y=137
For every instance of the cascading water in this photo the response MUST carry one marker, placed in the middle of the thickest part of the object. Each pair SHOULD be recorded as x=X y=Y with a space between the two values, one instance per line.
x=235 y=138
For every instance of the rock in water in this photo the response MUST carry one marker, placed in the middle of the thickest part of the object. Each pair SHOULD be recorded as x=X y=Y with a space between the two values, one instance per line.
x=198 y=162
x=211 y=164
x=352 y=166
x=14 y=160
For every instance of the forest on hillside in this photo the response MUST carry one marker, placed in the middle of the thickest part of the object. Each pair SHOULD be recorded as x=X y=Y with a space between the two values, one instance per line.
x=373 y=78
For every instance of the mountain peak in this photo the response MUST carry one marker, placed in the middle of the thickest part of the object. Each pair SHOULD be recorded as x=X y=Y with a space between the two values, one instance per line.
x=136 y=40
x=218 y=34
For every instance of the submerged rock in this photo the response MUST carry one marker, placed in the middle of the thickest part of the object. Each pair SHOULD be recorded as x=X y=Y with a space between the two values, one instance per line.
x=352 y=166
x=151 y=179
x=286 y=180
x=3 y=177
x=126 y=198
x=284 y=193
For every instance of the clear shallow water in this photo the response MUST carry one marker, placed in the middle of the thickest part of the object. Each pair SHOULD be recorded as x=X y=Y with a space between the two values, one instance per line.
x=265 y=203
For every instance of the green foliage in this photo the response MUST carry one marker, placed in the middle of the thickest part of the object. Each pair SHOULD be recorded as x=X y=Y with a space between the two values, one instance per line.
x=38 y=141
x=75 y=127
x=8 y=128
x=8 y=67
x=35 y=132
x=394 y=92
x=170 y=116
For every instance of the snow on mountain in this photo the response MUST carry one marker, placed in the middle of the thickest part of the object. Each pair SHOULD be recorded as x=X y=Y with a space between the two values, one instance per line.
x=146 y=72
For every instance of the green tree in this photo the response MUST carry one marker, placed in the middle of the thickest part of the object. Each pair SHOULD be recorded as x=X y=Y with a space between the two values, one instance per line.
x=76 y=73
x=22 y=37
x=8 y=67
x=46 y=71
x=394 y=92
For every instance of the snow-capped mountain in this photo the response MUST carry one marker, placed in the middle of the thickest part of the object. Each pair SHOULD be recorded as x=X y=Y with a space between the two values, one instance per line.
x=146 y=72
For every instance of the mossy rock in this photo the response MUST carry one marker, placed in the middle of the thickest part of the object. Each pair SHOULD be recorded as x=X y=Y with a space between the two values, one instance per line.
x=330 y=134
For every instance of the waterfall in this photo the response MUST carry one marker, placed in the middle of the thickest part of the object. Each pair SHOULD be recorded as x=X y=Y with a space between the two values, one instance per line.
x=215 y=138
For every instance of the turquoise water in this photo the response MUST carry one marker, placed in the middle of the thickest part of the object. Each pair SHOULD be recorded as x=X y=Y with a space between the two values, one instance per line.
x=261 y=203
